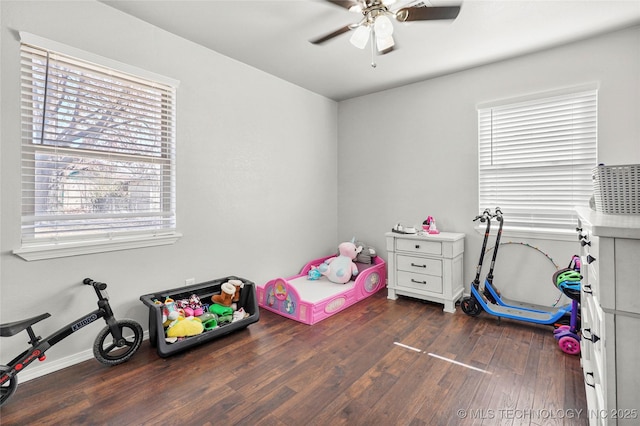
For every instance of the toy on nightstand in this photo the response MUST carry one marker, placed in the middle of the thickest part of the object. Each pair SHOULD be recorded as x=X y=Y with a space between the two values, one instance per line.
x=429 y=225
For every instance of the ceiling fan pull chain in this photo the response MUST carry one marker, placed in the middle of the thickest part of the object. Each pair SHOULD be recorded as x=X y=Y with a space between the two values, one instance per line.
x=372 y=34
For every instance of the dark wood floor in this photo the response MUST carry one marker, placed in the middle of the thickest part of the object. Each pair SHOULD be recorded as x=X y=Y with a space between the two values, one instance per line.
x=347 y=369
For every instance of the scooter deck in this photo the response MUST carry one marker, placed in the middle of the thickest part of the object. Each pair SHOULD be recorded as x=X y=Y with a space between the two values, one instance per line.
x=520 y=313
x=527 y=306
x=523 y=314
x=503 y=301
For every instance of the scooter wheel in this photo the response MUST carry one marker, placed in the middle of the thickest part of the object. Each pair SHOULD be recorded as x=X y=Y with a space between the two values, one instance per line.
x=470 y=306
x=569 y=345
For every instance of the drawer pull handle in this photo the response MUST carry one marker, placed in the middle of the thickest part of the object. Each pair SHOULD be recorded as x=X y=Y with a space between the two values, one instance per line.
x=418 y=266
x=417 y=246
x=588 y=335
x=590 y=259
x=593 y=384
x=587 y=289
x=418 y=282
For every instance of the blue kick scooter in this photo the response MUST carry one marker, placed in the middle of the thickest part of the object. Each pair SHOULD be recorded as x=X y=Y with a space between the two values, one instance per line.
x=484 y=298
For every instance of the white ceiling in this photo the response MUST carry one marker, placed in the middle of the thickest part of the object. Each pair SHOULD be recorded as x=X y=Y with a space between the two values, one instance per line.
x=274 y=36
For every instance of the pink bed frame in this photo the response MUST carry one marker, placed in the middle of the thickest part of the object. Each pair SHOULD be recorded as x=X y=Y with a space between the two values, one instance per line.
x=310 y=301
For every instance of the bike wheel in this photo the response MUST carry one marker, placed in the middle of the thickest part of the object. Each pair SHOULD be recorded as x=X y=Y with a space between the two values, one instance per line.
x=110 y=351
x=8 y=387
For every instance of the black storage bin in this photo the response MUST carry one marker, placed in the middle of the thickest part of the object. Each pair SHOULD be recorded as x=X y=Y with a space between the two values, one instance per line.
x=248 y=301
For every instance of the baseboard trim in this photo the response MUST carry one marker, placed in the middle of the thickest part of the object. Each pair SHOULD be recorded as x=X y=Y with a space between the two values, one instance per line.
x=35 y=371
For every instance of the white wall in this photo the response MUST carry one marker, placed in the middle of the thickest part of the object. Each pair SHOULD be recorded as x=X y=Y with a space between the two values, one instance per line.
x=256 y=180
x=259 y=161
x=411 y=152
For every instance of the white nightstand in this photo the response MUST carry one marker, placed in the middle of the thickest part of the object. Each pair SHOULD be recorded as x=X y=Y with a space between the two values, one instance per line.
x=426 y=266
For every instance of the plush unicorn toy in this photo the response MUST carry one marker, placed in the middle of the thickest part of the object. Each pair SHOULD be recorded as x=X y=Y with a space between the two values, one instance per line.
x=341 y=268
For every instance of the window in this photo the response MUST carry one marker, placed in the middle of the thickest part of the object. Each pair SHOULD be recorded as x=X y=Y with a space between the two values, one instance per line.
x=536 y=159
x=98 y=154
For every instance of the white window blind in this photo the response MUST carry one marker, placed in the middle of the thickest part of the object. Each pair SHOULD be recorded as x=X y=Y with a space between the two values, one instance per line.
x=98 y=151
x=536 y=160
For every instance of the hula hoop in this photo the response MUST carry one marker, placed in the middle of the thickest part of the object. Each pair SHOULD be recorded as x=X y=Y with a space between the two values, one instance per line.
x=555 y=265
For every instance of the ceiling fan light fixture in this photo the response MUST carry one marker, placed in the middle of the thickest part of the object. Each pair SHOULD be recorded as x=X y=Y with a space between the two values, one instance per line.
x=384 y=43
x=360 y=37
x=383 y=26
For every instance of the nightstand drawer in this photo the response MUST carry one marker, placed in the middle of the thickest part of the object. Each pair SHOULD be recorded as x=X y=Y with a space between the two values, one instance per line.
x=420 y=265
x=428 y=283
x=419 y=246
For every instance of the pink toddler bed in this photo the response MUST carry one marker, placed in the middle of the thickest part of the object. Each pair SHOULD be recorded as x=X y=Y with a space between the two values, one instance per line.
x=310 y=301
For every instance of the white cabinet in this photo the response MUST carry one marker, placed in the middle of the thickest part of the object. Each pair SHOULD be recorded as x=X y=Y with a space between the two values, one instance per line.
x=426 y=266
x=610 y=315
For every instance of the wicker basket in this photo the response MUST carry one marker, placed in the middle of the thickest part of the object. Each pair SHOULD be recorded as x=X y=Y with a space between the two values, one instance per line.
x=617 y=189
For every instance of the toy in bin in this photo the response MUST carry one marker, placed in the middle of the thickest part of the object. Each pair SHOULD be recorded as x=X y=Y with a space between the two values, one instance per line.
x=429 y=225
x=182 y=317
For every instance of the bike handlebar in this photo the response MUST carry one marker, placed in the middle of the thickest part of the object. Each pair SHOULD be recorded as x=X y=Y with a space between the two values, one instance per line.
x=95 y=284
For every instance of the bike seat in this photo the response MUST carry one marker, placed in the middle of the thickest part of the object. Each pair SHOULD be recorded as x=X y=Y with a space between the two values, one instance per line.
x=11 y=328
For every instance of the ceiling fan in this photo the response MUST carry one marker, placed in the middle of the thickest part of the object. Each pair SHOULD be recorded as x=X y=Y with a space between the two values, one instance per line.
x=376 y=25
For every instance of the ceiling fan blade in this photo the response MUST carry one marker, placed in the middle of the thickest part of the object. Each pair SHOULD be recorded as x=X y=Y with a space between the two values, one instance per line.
x=329 y=36
x=344 y=3
x=427 y=13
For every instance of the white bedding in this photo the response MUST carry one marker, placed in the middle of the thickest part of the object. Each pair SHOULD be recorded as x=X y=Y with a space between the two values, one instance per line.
x=317 y=290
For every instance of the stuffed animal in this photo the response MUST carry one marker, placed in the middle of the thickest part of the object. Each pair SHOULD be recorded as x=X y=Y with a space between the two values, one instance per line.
x=314 y=274
x=185 y=327
x=367 y=254
x=341 y=268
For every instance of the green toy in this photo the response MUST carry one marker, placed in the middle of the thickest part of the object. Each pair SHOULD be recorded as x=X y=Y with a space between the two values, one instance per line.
x=220 y=310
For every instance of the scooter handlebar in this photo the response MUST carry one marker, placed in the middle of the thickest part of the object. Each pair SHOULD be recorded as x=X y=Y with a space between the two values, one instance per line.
x=486 y=215
x=498 y=214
